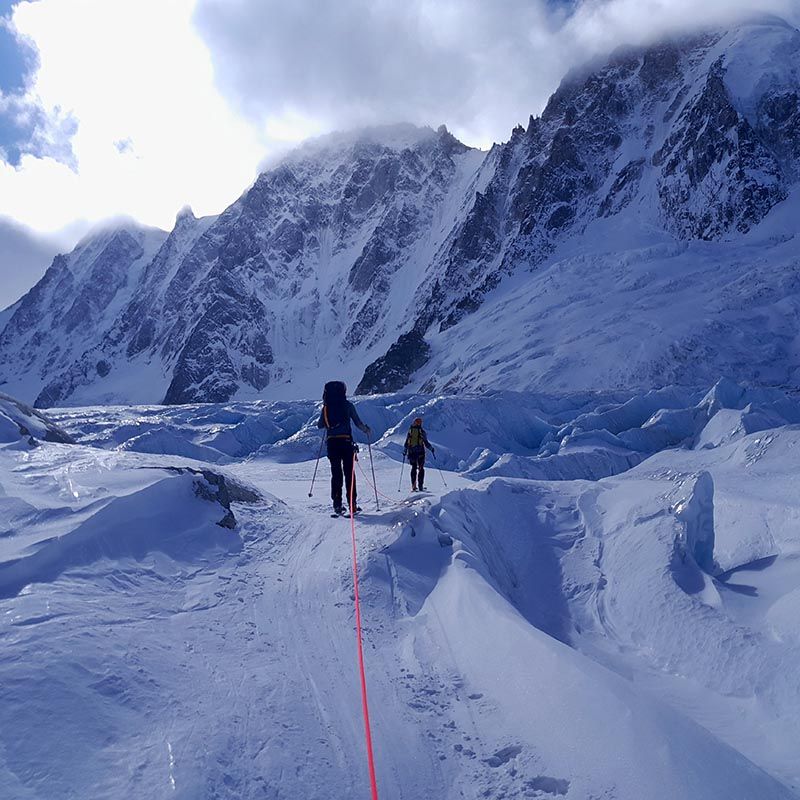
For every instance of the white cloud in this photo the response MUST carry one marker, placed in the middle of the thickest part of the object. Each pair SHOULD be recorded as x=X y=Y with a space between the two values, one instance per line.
x=481 y=67
x=599 y=25
x=467 y=63
x=132 y=72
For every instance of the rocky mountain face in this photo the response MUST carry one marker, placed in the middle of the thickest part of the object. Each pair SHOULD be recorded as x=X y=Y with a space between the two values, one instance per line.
x=76 y=300
x=658 y=129
x=299 y=269
x=402 y=257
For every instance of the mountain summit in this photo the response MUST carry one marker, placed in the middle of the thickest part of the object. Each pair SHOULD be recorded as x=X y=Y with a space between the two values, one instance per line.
x=638 y=232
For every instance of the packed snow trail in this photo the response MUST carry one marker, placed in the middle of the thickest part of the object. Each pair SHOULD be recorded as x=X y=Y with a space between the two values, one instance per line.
x=463 y=752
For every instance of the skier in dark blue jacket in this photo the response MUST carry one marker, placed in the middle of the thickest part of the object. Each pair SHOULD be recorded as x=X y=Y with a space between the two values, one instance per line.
x=337 y=412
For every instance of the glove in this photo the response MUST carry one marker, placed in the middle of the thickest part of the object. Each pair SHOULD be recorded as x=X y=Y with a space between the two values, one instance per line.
x=433 y=451
x=367 y=430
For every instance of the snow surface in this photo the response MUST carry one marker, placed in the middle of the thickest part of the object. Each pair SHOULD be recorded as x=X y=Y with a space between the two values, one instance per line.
x=20 y=422
x=630 y=314
x=633 y=636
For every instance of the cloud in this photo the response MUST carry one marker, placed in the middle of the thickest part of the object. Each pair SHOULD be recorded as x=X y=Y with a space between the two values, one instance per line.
x=601 y=25
x=128 y=119
x=479 y=67
x=359 y=62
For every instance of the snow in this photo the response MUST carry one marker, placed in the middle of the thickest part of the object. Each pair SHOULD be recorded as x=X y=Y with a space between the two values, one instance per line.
x=6 y=314
x=396 y=137
x=19 y=421
x=604 y=312
x=761 y=55
x=556 y=636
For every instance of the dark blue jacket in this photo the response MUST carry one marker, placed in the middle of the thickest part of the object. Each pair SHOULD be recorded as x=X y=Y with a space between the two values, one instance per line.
x=343 y=429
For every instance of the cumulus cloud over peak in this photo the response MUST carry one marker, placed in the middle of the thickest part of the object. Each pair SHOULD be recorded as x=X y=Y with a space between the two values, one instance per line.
x=481 y=67
x=361 y=62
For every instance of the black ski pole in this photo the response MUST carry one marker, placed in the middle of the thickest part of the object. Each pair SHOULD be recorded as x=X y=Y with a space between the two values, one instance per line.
x=374 y=482
x=400 y=482
x=316 y=466
x=441 y=474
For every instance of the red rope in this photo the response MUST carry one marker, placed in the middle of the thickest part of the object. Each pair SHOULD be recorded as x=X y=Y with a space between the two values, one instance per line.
x=364 y=705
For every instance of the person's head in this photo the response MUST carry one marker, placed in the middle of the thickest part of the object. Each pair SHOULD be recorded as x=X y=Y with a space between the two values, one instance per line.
x=418 y=422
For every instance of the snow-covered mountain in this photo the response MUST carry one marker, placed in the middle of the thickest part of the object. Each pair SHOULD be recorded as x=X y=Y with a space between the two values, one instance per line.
x=81 y=296
x=299 y=269
x=640 y=232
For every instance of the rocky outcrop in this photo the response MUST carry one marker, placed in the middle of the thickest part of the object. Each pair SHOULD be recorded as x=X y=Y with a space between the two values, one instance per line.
x=715 y=153
x=19 y=421
x=217 y=488
x=394 y=370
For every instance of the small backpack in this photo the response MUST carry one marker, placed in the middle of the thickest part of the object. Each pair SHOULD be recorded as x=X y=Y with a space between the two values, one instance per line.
x=334 y=404
x=415 y=436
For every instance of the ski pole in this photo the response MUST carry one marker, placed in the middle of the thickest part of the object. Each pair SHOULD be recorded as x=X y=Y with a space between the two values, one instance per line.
x=441 y=474
x=400 y=482
x=316 y=466
x=374 y=482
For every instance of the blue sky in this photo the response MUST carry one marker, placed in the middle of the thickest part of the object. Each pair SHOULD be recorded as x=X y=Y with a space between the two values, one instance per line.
x=139 y=107
x=16 y=62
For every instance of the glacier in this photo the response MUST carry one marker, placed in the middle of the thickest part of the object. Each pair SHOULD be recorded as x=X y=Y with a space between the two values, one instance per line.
x=586 y=609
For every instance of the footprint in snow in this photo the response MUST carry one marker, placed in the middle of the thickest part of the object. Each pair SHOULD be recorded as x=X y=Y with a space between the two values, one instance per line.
x=503 y=756
x=548 y=785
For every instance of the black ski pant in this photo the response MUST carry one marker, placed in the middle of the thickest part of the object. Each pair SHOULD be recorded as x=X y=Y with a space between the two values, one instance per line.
x=340 y=454
x=416 y=457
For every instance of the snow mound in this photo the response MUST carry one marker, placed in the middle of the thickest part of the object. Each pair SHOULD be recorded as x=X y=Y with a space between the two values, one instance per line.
x=164 y=440
x=162 y=518
x=73 y=507
x=593 y=566
x=20 y=422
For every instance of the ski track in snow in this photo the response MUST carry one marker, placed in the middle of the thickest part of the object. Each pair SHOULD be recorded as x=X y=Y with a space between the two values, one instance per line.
x=523 y=638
